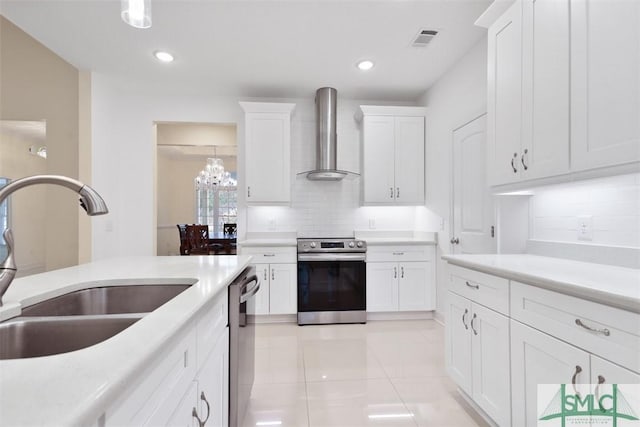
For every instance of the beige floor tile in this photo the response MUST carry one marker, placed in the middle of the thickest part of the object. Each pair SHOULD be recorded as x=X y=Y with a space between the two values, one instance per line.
x=329 y=360
x=435 y=402
x=355 y=403
x=283 y=405
x=279 y=364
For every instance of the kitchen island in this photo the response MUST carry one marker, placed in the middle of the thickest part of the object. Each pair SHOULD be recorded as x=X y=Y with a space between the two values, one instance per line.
x=79 y=387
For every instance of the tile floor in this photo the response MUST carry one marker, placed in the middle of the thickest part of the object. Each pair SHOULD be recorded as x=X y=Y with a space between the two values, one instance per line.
x=384 y=373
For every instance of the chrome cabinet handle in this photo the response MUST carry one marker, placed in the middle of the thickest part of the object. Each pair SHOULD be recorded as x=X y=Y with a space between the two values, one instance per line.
x=391 y=192
x=524 y=165
x=397 y=192
x=604 y=331
x=573 y=379
x=248 y=191
x=395 y=272
x=273 y=275
x=269 y=255
x=398 y=253
x=472 y=286
x=472 y=328
x=454 y=241
x=265 y=274
x=464 y=322
x=515 y=156
x=402 y=272
x=601 y=380
x=194 y=412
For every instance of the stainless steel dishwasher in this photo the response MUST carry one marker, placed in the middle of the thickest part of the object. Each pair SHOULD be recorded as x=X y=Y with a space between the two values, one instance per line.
x=241 y=343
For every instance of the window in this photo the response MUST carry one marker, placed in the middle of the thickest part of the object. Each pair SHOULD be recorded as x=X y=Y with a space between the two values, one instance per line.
x=216 y=206
x=4 y=220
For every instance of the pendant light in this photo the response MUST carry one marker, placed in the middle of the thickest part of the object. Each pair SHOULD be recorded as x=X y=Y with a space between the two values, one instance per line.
x=136 y=13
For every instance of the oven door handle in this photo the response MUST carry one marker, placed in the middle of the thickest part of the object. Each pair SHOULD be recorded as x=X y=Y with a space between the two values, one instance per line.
x=332 y=257
x=250 y=292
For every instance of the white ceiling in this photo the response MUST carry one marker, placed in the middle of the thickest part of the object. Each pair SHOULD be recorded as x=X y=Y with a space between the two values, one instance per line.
x=260 y=48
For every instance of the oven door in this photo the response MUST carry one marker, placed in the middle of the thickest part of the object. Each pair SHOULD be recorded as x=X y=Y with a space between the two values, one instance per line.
x=332 y=288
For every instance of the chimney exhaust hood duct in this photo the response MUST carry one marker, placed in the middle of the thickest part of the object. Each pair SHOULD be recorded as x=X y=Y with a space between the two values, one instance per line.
x=326 y=141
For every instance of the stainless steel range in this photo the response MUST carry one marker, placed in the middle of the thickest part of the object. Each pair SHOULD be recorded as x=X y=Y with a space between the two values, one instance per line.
x=332 y=281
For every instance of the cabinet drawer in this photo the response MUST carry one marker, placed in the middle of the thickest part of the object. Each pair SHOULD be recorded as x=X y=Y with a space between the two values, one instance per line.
x=485 y=289
x=211 y=325
x=615 y=335
x=271 y=255
x=400 y=253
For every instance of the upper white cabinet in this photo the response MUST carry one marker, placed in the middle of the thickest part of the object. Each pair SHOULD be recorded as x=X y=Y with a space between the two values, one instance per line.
x=605 y=83
x=563 y=88
x=267 y=135
x=393 y=155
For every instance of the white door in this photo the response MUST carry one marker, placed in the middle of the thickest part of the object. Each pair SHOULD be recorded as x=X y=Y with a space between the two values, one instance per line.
x=414 y=286
x=382 y=286
x=473 y=211
x=378 y=155
x=283 y=292
x=213 y=381
x=458 y=341
x=504 y=96
x=537 y=358
x=490 y=363
x=545 y=87
x=267 y=157
x=262 y=296
x=605 y=83
x=409 y=160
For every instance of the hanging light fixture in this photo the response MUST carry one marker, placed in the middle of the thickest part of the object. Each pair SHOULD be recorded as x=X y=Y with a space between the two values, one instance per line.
x=136 y=13
x=213 y=175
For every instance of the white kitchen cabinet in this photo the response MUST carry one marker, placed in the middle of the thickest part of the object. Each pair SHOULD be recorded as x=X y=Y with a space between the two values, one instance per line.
x=605 y=372
x=213 y=385
x=267 y=132
x=477 y=355
x=393 y=155
x=278 y=274
x=605 y=83
x=400 y=278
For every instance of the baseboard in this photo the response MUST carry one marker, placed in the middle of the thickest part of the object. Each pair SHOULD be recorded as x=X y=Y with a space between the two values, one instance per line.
x=438 y=317
x=275 y=318
x=402 y=315
x=478 y=411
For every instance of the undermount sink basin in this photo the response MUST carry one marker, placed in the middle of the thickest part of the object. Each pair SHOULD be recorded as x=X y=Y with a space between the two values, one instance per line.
x=33 y=337
x=107 y=300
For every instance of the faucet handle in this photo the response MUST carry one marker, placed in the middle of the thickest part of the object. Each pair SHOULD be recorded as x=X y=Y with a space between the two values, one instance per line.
x=9 y=262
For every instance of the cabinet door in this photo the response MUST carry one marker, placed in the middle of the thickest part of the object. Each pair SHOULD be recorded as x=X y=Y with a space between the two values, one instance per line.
x=378 y=163
x=490 y=363
x=458 y=340
x=538 y=358
x=605 y=83
x=213 y=381
x=545 y=80
x=382 y=286
x=283 y=292
x=414 y=286
x=268 y=160
x=183 y=415
x=605 y=372
x=262 y=297
x=409 y=160
x=504 y=95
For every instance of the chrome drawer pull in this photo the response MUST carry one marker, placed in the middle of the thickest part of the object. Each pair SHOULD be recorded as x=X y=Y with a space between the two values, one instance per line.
x=472 y=286
x=463 y=321
x=398 y=253
x=472 y=328
x=269 y=255
x=604 y=331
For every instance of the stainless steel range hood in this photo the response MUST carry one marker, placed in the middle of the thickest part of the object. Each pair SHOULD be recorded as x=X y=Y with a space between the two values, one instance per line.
x=326 y=141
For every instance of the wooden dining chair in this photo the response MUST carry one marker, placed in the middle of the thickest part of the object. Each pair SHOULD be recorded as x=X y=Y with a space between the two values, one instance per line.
x=184 y=242
x=198 y=239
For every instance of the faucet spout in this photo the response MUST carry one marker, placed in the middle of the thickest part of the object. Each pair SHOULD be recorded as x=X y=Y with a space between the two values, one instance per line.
x=90 y=201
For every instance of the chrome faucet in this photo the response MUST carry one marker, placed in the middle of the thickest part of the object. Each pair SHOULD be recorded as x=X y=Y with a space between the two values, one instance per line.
x=90 y=200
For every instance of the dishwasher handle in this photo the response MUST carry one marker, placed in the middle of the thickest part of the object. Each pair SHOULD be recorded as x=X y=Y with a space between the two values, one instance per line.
x=249 y=292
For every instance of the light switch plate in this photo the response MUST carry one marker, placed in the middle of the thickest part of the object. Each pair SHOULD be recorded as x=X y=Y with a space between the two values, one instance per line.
x=585 y=227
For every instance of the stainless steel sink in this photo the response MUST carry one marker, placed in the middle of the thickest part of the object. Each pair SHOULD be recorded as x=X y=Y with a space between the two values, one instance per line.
x=33 y=337
x=107 y=300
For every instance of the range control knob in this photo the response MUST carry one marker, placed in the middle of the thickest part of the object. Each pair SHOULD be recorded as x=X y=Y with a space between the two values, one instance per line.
x=352 y=245
x=360 y=244
x=312 y=245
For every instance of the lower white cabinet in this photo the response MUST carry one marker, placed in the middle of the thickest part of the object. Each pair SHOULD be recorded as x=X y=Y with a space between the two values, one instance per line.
x=477 y=355
x=278 y=292
x=192 y=374
x=538 y=358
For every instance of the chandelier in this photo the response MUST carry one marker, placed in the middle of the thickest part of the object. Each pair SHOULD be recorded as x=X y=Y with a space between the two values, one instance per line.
x=213 y=175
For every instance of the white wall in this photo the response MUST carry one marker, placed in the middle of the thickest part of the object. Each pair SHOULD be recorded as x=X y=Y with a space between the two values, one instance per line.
x=457 y=98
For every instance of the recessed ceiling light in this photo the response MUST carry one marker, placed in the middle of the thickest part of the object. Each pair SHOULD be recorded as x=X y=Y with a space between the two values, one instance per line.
x=163 y=56
x=365 y=65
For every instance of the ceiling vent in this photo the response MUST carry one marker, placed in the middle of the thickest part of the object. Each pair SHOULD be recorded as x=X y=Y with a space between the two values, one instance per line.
x=423 y=38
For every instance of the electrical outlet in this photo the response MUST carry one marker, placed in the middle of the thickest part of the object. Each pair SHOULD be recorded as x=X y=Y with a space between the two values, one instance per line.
x=585 y=227
x=272 y=224
x=372 y=223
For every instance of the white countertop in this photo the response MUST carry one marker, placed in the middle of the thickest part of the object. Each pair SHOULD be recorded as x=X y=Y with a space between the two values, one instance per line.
x=610 y=285
x=75 y=388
